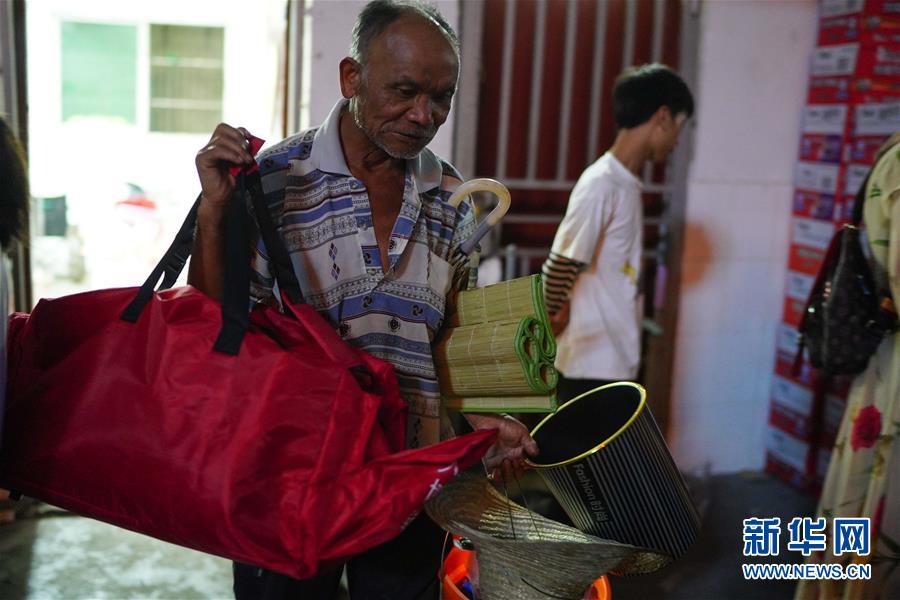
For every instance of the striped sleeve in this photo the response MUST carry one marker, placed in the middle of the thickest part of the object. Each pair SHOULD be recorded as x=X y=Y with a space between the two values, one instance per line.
x=559 y=274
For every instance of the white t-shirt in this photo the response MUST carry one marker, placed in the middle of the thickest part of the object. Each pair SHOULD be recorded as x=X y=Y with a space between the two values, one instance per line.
x=603 y=228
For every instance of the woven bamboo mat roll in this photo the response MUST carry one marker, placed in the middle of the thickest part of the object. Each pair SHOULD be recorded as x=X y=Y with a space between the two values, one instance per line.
x=498 y=343
x=499 y=302
x=523 y=555
x=519 y=404
x=504 y=358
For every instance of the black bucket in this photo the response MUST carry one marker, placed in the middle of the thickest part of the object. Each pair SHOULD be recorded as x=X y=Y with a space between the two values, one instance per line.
x=604 y=458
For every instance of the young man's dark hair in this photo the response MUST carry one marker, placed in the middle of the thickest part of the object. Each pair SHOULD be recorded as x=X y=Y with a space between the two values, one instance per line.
x=13 y=187
x=640 y=91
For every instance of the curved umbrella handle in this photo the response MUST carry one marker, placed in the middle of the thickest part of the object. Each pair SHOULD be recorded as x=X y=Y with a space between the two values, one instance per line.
x=482 y=185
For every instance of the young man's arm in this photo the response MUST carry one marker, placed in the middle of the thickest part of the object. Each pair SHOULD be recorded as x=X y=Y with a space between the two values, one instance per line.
x=573 y=250
x=560 y=274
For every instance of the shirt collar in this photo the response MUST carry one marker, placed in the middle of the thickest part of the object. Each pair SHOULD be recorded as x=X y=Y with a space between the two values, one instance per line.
x=622 y=171
x=328 y=155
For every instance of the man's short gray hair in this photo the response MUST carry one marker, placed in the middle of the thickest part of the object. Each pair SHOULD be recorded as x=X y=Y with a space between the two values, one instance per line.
x=378 y=14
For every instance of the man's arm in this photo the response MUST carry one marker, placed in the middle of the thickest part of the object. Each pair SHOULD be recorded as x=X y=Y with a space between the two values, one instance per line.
x=206 y=270
x=574 y=247
x=226 y=148
x=559 y=276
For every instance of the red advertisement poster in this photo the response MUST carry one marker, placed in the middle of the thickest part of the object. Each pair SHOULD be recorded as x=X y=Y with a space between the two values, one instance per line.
x=868 y=29
x=805 y=260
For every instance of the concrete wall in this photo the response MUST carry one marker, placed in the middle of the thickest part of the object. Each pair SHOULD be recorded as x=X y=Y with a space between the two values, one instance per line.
x=752 y=72
x=5 y=71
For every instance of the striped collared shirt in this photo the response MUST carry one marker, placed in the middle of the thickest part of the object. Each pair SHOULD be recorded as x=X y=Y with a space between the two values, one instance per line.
x=324 y=217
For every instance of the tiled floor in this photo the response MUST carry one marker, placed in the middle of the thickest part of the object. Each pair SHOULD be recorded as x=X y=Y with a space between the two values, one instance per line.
x=711 y=570
x=50 y=555
x=53 y=555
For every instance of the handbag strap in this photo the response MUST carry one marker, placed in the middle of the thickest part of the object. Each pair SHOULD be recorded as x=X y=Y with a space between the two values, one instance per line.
x=279 y=259
x=828 y=264
x=169 y=266
x=858 y=202
x=236 y=289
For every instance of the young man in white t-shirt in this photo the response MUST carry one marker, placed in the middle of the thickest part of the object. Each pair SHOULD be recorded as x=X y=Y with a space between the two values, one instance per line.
x=592 y=277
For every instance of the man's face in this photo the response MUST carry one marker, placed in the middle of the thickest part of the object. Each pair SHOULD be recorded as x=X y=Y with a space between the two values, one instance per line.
x=665 y=135
x=402 y=95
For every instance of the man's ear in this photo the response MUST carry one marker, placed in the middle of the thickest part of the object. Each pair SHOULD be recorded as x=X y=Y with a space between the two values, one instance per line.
x=663 y=117
x=351 y=77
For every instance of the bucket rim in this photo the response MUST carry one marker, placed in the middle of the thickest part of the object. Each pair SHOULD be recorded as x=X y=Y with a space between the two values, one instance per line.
x=637 y=412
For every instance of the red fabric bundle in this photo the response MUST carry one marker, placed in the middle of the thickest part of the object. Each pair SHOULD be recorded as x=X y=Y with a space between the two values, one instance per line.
x=277 y=457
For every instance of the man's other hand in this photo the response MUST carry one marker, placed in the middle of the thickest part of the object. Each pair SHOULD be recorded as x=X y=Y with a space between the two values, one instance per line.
x=560 y=319
x=506 y=458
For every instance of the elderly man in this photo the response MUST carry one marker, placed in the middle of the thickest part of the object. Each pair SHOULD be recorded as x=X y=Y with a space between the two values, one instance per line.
x=361 y=204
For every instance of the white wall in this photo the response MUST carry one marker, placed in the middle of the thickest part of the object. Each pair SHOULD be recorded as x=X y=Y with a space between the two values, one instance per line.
x=332 y=22
x=752 y=74
x=89 y=159
x=6 y=70
x=251 y=59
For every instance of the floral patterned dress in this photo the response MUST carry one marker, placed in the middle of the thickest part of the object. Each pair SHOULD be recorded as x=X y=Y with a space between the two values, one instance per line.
x=863 y=478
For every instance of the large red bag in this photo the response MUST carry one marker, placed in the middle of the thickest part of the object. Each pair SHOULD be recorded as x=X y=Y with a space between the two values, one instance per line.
x=287 y=454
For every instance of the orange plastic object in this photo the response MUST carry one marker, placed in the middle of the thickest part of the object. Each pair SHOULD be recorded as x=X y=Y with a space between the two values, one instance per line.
x=451 y=592
x=600 y=590
x=456 y=568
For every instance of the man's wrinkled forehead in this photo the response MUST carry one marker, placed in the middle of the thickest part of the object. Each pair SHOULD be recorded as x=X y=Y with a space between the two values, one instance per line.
x=415 y=33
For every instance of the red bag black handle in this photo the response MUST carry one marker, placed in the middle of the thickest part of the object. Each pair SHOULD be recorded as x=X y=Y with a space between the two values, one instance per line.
x=279 y=259
x=236 y=290
x=170 y=265
x=236 y=287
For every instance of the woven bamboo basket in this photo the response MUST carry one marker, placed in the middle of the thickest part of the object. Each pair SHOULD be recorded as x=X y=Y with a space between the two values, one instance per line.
x=522 y=555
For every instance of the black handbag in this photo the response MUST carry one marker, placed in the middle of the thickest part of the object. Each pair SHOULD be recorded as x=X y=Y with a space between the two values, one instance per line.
x=847 y=314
